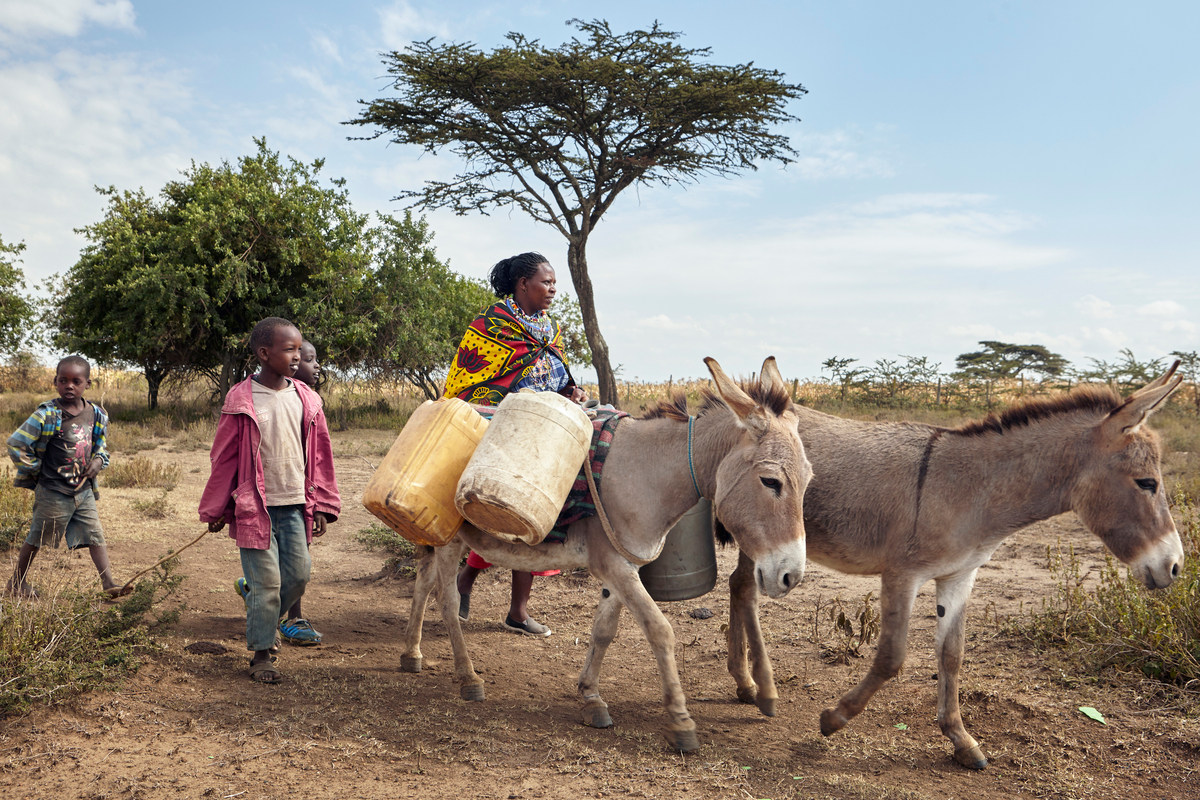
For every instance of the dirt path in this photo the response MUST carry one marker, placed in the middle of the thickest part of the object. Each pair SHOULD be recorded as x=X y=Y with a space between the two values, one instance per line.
x=347 y=723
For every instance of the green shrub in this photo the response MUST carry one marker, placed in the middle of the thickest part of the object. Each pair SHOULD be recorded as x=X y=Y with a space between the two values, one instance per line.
x=400 y=551
x=64 y=643
x=1118 y=627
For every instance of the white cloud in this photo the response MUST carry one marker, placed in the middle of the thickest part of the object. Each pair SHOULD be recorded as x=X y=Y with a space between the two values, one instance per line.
x=1092 y=306
x=75 y=121
x=401 y=24
x=838 y=155
x=326 y=47
x=1180 y=326
x=662 y=322
x=26 y=19
x=1161 y=308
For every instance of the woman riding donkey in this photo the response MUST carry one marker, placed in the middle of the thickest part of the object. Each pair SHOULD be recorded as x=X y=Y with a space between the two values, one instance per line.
x=513 y=344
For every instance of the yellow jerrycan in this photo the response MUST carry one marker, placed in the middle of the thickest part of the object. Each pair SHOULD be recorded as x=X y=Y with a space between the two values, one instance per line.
x=412 y=491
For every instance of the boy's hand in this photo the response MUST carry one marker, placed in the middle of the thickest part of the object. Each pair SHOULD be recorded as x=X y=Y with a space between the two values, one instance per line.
x=92 y=471
x=319 y=523
x=213 y=527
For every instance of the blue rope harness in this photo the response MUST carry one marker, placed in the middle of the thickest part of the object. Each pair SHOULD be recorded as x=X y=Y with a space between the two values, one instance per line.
x=691 y=466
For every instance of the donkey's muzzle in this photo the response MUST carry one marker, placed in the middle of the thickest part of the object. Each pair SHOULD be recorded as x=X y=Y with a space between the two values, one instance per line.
x=781 y=571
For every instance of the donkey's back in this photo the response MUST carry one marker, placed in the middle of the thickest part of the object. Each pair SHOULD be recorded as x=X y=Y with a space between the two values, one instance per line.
x=859 y=506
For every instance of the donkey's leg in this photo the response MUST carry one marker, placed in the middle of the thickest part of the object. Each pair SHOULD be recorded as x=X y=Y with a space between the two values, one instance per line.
x=470 y=685
x=411 y=659
x=661 y=637
x=604 y=632
x=896 y=597
x=952 y=594
x=745 y=638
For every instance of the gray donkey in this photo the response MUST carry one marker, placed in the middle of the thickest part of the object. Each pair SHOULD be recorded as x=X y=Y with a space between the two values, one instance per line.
x=745 y=456
x=914 y=503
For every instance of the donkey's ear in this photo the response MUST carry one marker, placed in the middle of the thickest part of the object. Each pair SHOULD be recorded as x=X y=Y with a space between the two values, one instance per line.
x=771 y=379
x=1161 y=380
x=1131 y=414
x=742 y=404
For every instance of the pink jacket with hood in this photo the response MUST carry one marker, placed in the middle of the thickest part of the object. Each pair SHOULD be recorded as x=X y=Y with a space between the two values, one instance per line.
x=236 y=489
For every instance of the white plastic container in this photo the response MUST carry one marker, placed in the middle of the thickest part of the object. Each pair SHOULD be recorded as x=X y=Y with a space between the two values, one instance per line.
x=518 y=479
x=412 y=491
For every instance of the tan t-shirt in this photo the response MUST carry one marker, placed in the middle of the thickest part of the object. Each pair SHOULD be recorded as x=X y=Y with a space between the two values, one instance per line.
x=280 y=419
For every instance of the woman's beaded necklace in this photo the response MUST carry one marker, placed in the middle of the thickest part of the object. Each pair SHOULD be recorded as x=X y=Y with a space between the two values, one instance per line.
x=539 y=324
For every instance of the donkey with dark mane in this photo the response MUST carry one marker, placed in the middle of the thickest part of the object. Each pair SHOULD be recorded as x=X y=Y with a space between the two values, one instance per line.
x=914 y=503
x=741 y=451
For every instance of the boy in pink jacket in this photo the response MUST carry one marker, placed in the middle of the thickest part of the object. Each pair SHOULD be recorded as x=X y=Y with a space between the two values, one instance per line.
x=272 y=481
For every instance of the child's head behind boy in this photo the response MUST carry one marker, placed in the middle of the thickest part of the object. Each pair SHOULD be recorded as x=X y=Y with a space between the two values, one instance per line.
x=309 y=370
x=276 y=343
x=71 y=379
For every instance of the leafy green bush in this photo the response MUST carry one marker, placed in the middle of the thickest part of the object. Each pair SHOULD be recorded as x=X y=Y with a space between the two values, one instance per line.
x=1118 y=627
x=64 y=644
x=400 y=551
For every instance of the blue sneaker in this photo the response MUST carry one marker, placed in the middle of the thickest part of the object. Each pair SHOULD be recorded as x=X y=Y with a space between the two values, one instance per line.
x=242 y=588
x=299 y=632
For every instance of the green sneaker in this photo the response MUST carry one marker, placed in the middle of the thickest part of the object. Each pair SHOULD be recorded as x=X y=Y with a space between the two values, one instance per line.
x=242 y=588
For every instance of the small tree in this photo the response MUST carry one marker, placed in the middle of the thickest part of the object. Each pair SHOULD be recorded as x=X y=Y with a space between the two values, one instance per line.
x=1189 y=367
x=416 y=306
x=999 y=361
x=16 y=310
x=560 y=132
x=177 y=283
x=842 y=373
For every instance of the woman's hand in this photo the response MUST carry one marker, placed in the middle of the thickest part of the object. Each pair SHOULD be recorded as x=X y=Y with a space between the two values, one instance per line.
x=578 y=395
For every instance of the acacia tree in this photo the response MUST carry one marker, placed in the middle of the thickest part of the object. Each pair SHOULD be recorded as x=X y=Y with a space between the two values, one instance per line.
x=1000 y=360
x=16 y=311
x=560 y=132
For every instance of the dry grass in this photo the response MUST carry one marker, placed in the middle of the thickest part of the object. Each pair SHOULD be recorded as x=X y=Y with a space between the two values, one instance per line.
x=142 y=473
x=64 y=642
x=158 y=508
x=16 y=509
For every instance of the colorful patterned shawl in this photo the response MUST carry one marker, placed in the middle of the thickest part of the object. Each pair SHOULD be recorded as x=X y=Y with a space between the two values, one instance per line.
x=495 y=353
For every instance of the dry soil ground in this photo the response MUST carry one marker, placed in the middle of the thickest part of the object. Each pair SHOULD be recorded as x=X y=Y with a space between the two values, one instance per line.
x=347 y=723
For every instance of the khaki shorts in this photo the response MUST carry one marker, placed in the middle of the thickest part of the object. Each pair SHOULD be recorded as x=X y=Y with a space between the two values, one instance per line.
x=56 y=514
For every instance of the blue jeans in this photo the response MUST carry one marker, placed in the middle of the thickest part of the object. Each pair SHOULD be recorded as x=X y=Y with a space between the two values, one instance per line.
x=276 y=576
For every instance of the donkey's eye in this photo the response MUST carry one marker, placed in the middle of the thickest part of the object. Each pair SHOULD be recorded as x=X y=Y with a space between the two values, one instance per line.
x=772 y=483
x=1149 y=484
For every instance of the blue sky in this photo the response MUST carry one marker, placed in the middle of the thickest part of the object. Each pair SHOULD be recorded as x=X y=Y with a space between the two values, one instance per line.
x=1020 y=171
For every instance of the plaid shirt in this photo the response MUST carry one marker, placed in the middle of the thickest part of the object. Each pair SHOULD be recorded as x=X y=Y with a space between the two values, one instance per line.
x=27 y=445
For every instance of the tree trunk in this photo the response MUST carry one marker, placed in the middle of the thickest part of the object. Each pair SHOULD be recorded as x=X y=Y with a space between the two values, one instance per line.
x=577 y=264
x=154 y=379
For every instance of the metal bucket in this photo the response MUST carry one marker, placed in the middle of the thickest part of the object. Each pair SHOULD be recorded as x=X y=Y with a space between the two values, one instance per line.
x=687 y=566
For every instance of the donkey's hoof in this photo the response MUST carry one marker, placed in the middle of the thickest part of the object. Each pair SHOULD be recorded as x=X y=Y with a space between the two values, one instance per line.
x=686 y=741
x=410 y=663
x=832 y=721
x=971 y=758
x=596 y=716
x=766 y=705
x=747 y=694
x=471 y=692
